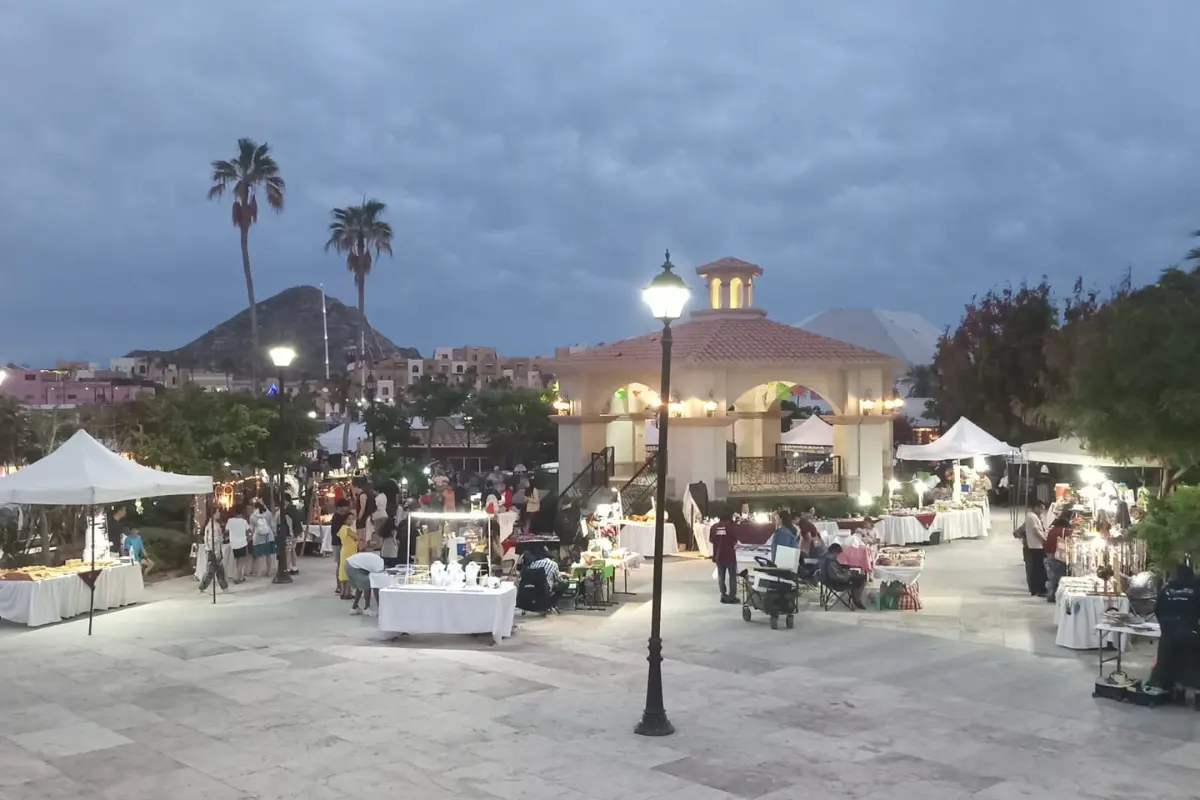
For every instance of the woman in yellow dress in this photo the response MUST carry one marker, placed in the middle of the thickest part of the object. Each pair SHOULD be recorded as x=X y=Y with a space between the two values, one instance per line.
x=349 y=547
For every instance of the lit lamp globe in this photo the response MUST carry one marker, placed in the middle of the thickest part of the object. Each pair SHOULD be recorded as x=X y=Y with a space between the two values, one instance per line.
x=282 y=356
x=667 y=294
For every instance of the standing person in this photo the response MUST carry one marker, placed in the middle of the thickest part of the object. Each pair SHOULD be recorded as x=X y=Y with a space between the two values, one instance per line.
x=1055 y=567
x=341 y=514
x=288 y=526
x=533 y=505
x=262 y=544
x=723 y=545
x=238 y=530
x=388 y=528
x=214 y=546
x=359 y=569
x=1034 y=549
x=115 y=527
x=364 y=509
x=1178 y=612
x=350 y=544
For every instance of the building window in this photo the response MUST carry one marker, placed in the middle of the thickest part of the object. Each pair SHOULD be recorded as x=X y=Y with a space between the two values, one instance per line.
x=70 y=397
x=715 y=290
x=142 y=369
x=30 y=377
x=458 y=368
x=474 y=357
x=416 y=369
x=735 y=293
x=383 y=390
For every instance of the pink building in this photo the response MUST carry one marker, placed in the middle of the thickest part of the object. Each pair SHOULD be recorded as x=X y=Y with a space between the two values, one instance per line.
x=35 y=387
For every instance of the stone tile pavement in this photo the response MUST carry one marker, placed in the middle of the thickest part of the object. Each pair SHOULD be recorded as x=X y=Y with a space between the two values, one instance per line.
x=275 y=692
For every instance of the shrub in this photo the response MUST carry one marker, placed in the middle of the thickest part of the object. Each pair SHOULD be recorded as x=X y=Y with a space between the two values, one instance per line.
x=167 y=548
x=1171 y=528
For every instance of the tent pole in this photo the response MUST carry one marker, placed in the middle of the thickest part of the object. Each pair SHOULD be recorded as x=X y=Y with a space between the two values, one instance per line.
x=92 y=598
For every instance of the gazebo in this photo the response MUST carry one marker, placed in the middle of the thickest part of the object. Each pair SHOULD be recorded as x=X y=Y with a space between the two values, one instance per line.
x=731 y=368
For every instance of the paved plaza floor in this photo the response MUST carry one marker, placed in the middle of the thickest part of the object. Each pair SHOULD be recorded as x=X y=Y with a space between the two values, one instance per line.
x=276 y=692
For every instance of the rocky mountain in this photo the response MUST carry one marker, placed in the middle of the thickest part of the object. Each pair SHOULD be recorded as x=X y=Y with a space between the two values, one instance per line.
x=292 y=317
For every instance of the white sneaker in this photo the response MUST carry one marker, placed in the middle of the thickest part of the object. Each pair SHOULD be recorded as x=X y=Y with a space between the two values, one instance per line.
x=356 y=612
x=370 y=612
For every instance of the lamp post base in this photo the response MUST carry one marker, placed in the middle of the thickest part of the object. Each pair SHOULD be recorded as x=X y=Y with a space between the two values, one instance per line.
x=654 y=723
x=281 y=577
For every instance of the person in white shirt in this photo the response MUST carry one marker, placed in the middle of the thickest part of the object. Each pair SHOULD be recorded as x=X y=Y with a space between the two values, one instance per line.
x=213 y=545
x=238 y=529
x=262 y=530
x=359 y=568
x=1033 y=546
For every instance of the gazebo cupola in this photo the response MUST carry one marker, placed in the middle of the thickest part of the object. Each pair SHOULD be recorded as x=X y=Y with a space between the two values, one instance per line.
x=730 y=285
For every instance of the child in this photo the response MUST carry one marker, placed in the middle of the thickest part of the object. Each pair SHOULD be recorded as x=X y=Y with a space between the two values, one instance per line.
x=137 y=551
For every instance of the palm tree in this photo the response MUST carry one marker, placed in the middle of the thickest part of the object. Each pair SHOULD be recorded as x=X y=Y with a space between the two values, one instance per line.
x=253 y=167
x=356 y=231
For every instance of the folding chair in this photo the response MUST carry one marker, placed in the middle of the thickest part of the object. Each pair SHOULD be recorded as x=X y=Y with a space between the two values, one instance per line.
x=831 y=596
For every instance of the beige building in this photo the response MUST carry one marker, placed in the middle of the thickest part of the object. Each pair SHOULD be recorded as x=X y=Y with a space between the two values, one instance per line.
x=731 y=368
x=478 y=366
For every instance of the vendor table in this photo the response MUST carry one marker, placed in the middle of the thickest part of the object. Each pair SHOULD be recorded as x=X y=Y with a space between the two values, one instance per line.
x=966 y=523
x=904 y=575
x=902 y=529
x=427 y=609
x=322 y=534
x=35 y=603
x=1121 y=634
x=1077 y=616
x=639 y=537
x=202 y=560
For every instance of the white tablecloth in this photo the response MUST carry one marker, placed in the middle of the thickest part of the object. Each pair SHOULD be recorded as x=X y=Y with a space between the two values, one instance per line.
x=202 y=560
x=639 y=537
x=906 y=575
x=35 y=603
x=900 y=530
x=968 y=523
x=700 y=531
x=425 y=609
x=322 y=534
x=1077 y=616
x=828 y=528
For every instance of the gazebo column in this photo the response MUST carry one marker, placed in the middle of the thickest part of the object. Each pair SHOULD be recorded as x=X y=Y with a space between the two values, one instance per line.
x=864 y=445
x=696 y=454
x=772 y=432
x=578 y=438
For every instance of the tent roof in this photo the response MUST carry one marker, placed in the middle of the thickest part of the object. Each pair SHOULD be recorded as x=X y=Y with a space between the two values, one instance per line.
x=1069 y=450
x=965 y=439
x=812 y=431
x=331 y=440
x=84 y=472
x=900 y=334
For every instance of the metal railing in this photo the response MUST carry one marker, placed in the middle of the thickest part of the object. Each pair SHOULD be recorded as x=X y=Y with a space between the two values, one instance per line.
x=771 y=475
x=636 y=492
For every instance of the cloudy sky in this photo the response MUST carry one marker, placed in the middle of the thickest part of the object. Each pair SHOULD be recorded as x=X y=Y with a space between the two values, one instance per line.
x=537 y=156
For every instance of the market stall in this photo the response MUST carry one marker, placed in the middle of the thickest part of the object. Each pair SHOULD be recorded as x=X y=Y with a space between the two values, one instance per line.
x=83 y=472
x=51 y=594
x=1080 y=605
x=423 y=609
x=898 y=572
x=638 y=536
x=964 y=440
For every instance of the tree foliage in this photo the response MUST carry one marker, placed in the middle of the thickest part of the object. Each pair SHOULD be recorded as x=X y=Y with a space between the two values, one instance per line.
x=1132 y=387
x=990 y=368
x=516 y=423
x=431 y=399
x=1171 y=528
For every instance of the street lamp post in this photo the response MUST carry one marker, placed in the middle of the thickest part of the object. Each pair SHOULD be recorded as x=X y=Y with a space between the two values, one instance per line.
x=282 y=358
x=666 y=295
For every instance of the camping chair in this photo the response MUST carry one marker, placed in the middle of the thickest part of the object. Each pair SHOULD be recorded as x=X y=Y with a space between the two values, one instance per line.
x=831 y=595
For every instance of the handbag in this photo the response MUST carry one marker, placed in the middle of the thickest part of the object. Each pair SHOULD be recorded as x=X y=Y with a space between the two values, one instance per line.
x=1019 y=533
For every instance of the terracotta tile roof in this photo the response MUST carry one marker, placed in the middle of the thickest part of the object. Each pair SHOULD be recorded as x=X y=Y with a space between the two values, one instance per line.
x=740 y=337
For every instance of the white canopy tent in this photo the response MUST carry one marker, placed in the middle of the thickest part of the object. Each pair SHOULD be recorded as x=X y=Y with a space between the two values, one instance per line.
x=331 y=441
x=83 y=472
x=1069 y=450
x=813 y=431
x=965 y=439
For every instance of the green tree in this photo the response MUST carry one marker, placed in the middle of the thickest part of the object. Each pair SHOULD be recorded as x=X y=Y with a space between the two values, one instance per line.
x=1171 y=528
x=253 y=168
x=1133 y=386
x=390 y=426
x=356 y=231
x=990 y=368
x=516 y=423
x=432 y=399
x=921 y=380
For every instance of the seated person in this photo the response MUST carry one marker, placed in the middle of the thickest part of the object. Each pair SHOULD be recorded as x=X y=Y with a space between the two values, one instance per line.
x=136 y=549
x=540 y=559
x=786 y=535
x=811 y=543
x=839 y=577
x=1178 y=612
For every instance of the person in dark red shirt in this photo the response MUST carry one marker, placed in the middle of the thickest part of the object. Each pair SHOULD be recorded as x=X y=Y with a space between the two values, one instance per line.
x=1055 y=568
x=723 y=546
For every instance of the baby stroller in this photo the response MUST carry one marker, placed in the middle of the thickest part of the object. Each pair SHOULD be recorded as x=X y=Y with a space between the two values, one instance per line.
x=773 y=588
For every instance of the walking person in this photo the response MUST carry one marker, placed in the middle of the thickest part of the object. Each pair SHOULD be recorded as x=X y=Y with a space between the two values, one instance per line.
x=238 y=530
x=214 y=546
x=723 y=545
x=341 y=515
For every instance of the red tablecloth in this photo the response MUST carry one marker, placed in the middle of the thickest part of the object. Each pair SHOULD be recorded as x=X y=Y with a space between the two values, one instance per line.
x=854 y=523
x=925 y=518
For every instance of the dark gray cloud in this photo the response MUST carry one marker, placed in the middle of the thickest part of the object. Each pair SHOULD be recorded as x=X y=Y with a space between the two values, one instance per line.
x=538 y=155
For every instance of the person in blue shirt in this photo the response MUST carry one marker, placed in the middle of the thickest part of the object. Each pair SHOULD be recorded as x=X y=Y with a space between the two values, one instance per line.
x=136 y=549
x=786 y=535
